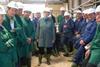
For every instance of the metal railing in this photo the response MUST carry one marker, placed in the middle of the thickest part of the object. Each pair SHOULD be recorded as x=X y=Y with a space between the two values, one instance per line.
x=85 y=4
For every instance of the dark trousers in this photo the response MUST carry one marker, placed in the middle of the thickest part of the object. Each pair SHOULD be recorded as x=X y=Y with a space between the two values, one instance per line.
x=67 y=44
x=46 y=52
x=80 y=54
x=56 y=46
x=25 y=61
x=43 y=50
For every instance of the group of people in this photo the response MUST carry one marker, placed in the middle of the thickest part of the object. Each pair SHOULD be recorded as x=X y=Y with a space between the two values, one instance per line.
x=17 y=35
x=81 y=33
x=20 y=36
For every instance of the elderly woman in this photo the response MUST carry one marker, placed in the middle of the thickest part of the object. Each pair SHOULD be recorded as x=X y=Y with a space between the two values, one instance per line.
x=7 y=48
x=45 y=36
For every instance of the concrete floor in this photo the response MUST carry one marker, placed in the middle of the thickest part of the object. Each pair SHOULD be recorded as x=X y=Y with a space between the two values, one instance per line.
x=60 y=61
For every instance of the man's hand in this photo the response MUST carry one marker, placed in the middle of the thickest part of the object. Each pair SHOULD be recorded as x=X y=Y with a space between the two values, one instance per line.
x=29 y=40
x=82 y=42
x=53 y=41
x=37 y=40
x=78 y=35
x=87 y=54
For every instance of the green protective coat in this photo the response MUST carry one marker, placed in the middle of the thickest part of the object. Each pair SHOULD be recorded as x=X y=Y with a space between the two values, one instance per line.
x=45 y=33
x=95 y=47
x=29 y=31
x=15 y=34
x=7 y=49
x=8 y=27
x=60 y=19
x=21 y=39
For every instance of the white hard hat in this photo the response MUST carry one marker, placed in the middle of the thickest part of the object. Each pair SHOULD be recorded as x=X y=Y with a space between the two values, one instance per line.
x=20 y=5
x=27 y=9
x=47 y=9
x=12 y=4
x=2 y=10
x=85 y=11
x=62 y=9
x=91 y=10
x=78 y=11
x=67 y=14
x=98 y=9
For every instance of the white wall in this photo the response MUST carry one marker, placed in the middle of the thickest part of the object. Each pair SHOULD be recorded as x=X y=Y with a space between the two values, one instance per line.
x=4 y=1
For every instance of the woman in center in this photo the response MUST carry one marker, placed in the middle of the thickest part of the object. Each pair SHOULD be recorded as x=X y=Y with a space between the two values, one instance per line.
x=45 y=36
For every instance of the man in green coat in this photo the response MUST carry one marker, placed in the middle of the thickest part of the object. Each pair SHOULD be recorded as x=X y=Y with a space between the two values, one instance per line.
x=94 y=60
x=60 y=17
x=11 y=24
x=7 y=47
x=21 y=39
x=29 y=30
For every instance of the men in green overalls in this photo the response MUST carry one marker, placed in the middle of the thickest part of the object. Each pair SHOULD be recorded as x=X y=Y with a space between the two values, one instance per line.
x=60 y=17
x=29 y=31
x=95 y=44
x=52 y=16
x=21 y=40
x=7 y=46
